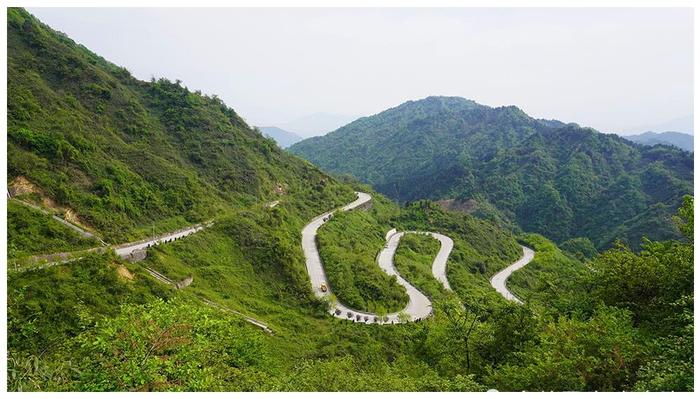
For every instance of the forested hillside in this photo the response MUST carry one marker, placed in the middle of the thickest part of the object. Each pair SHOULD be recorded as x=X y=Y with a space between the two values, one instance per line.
x=125 y=155
x=562 y=181
x=127 y=159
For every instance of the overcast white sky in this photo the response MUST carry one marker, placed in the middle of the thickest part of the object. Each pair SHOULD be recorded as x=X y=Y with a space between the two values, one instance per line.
x=617 y=70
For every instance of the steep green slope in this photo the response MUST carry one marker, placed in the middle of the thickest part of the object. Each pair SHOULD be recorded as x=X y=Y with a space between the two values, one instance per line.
x=414 y=258
x=31 y=232
x=46 y=307
x=125 y=154
x=552 y=279
x=577 y=182
x=559 y=180
x=425 y=138
x=102 y=324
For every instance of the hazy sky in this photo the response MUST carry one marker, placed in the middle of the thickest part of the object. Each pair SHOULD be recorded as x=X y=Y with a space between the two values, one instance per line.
x=617 y=70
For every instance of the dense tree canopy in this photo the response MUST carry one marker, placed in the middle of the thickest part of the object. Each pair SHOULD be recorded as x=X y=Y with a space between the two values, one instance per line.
x=559 y=180
x=130 y=157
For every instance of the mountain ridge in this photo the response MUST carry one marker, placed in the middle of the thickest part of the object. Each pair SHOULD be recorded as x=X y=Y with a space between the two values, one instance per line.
x=134 y=158
x=284 y=138
x=446 y=147
x=683 y=141
x=129 y=156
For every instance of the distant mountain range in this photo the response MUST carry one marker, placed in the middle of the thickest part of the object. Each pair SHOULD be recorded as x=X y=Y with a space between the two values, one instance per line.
x=283 y=137
x=316 y=124
x=682 y=124
x=549 y=177
x=680 y=140
x=132 y=159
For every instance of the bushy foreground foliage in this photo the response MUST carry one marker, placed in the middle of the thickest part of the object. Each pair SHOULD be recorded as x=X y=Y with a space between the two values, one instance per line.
x=131 y=157
x=133 y=335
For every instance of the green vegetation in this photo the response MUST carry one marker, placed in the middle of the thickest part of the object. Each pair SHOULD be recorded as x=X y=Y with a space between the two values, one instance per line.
x=632 y=327
x=181 y=345
x=601 y=353
x=349 y=244
x=250 y=261
x=230 y=266
x=31 y=232
x=605 y=342
x=562 y=181
x=124 y=155
x=551 y=279
x=581 y=248
x=414 y=259
x=47 y=306
x=130 y=157
x=480 y=247
x=145 y=348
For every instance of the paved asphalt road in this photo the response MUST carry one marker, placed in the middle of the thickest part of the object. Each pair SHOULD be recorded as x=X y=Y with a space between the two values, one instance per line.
x=125 y=249
x=440 y=262
x=498 y=281
x=419 y=306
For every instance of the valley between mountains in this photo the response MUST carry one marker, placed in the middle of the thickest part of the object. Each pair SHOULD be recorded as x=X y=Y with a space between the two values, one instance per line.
x=440 y=245
x=419 y=306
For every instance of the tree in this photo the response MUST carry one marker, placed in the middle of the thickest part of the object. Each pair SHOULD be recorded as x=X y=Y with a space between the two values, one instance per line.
x=462 y=319
x=671 y=366
x=684 y=219
x=600 y=354
x=404 y=317
x=648 y=282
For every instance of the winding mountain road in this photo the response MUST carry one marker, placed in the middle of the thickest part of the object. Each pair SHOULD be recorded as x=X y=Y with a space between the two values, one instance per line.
x=440 y=262
x=419 y=306
x=498 y=281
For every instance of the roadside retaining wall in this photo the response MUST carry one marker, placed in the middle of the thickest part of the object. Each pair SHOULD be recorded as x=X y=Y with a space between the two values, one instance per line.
x=135 y=256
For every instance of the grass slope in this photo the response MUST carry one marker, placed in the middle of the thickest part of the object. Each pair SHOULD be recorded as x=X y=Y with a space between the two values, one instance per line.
x=127 y=155
x=31 y=232
x=414 y=259
x=552 y=278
